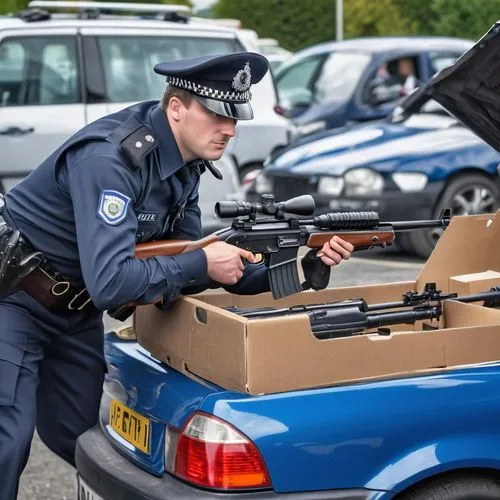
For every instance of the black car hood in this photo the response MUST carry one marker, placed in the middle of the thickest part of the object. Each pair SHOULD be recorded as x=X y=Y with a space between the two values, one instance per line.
x=469 y=89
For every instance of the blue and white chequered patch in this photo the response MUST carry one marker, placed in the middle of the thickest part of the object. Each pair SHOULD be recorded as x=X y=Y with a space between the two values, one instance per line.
x=113 y=206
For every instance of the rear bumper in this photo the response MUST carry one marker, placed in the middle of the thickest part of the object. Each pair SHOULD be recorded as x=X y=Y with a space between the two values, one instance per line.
x=113 y=477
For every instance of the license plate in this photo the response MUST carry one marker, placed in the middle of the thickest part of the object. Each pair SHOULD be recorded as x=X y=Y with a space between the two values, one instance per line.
x=85 y=492
x=130 y=425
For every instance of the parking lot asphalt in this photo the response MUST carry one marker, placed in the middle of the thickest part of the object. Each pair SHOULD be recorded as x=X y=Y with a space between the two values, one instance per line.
x=47 y=477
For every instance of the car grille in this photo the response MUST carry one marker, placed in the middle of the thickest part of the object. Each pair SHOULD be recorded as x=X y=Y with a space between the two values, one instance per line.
x=288 y=187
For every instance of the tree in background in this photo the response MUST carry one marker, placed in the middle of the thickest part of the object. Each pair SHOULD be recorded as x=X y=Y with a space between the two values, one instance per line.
x=8 y=6
x=467 y=19
x=365 y=18
x=297 y=25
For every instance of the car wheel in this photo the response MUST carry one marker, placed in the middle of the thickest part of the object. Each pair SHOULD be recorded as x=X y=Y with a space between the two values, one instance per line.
x=466 y=195
x=456 y=487
x=250 y=167
x=403 y=242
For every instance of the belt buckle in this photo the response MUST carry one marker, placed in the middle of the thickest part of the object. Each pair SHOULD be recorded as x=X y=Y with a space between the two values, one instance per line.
x=77 y=295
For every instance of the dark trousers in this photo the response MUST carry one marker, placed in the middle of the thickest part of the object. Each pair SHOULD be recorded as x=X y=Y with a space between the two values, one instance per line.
x=51 y=374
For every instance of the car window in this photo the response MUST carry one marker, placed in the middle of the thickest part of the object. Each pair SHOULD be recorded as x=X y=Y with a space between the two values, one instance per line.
x=294 y=82
x=128 y=61
x=38 y=71
x=339 y=76
x=392 y=80
x=440 y=60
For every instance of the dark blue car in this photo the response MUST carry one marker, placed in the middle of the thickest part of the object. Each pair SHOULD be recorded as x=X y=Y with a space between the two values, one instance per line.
x=331 y=84
x=409 y=166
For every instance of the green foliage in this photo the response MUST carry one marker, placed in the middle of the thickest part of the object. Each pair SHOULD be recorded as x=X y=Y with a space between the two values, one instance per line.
x=296 y=24
x=371 y=18
x=464 y=18
x=12 y=6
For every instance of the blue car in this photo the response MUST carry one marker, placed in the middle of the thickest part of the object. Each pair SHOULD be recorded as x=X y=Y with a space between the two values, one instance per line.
x=333 y=84
x=409 y=166
x=165 y=435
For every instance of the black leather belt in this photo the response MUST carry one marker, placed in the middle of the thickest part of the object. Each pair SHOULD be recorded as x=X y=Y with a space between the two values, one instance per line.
x=55 y=293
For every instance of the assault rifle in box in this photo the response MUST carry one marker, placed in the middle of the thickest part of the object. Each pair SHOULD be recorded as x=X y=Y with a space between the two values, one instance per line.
x=352 y=317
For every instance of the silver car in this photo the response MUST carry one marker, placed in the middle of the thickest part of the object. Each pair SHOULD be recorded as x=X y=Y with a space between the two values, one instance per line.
x=59 y=72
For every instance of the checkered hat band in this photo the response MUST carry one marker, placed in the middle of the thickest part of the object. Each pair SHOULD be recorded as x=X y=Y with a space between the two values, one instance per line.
x=225 y=95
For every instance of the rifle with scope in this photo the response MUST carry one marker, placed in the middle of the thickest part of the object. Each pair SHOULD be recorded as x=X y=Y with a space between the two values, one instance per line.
x=275 y=231
x=352 y=317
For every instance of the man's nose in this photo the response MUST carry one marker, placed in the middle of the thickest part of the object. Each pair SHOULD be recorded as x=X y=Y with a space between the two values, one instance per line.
x=229 y=126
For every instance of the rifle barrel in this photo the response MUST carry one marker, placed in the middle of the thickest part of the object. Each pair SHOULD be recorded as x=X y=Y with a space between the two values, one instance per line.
x=411 y=225
x=361 y=305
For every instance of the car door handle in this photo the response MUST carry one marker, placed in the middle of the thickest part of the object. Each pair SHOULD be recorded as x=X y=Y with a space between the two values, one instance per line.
x=15 y=130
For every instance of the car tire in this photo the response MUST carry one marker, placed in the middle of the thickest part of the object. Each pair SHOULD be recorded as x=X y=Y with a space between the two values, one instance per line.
x=404 y=243
x=465 y=195
x=243 y=171
x=456 y=487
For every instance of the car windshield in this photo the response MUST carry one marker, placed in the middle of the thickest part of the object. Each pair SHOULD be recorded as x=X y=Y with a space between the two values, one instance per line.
x=321 y=78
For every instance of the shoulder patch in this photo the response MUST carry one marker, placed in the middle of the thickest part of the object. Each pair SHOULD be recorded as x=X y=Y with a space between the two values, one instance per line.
x=138 y=145
x=112 y=206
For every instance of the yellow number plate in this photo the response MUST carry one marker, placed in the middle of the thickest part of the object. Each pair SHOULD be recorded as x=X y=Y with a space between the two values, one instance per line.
x=130 y=425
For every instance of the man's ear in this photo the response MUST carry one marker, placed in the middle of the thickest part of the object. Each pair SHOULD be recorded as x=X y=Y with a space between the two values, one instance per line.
x=175 y=108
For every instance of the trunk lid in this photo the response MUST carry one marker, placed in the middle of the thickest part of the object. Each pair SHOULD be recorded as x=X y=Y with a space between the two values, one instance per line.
x=469 y=88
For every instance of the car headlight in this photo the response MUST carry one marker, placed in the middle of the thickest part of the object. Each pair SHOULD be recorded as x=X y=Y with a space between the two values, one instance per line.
x=363 y=182
x=311 y=128
x=263 y=184
x=330 y=185
x=410 y=182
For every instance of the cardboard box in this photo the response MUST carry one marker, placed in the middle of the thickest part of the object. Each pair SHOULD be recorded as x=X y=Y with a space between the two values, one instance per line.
x=469 y=284
x=201 y=339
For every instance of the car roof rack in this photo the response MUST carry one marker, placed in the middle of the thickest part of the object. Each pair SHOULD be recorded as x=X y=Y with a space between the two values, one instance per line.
x=90 y=9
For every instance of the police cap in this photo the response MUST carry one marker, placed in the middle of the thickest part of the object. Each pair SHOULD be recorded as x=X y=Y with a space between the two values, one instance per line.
x=221 y=83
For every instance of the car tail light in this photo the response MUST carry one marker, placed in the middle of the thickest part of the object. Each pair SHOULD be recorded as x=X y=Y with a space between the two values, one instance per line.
x=213 y=454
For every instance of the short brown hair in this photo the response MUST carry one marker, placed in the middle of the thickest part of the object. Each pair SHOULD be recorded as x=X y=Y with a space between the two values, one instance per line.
x=183 y=95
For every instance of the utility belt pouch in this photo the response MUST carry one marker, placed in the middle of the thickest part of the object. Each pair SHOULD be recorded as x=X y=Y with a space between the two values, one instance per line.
x=17 y=257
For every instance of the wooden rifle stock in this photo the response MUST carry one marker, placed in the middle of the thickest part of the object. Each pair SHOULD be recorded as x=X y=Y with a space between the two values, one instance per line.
x=171 y=247
x=360 y=240
x=157 y=249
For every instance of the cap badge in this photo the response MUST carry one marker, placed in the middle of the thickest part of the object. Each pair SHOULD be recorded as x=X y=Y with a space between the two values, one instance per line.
x=243 y=79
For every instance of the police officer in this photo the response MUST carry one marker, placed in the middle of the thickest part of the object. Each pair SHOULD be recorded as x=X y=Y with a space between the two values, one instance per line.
x=128 y=177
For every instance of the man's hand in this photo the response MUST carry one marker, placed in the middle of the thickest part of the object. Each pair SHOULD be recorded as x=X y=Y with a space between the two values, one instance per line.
x=225 y=264
x=334 y=251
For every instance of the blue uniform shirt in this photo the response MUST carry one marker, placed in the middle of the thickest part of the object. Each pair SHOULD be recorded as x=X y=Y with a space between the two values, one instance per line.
x=118 y=181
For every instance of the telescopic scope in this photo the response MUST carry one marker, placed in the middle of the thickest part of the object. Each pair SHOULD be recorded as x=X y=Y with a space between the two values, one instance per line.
x=300 y=205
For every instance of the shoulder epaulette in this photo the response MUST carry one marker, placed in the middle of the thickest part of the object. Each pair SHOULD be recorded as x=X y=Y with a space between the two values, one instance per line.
x=138 y=145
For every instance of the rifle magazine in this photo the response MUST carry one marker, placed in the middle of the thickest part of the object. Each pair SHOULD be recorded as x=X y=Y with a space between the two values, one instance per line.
x=284 y=280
